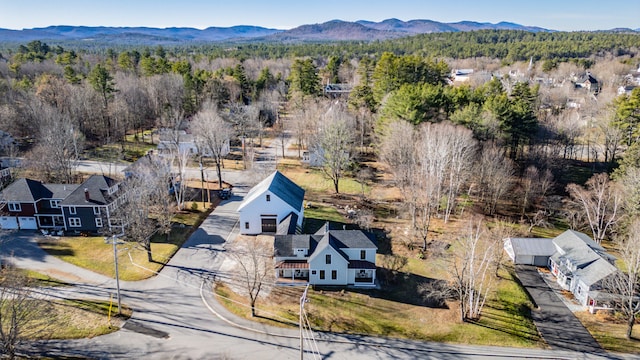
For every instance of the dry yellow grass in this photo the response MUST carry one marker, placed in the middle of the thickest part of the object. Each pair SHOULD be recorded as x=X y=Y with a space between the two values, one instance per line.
x=610 y=332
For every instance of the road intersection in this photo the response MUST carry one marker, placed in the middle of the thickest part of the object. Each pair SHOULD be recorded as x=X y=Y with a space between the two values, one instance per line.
x=176 y=315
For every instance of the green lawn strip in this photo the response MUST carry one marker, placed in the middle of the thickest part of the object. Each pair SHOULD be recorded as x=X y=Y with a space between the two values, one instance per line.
x=76 y=319
x=94 y=254
x=40 y=279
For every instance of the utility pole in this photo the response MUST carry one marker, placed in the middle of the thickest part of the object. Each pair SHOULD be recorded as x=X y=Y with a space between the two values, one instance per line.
x=202 y=183
x=303 y=299
x=114 y=241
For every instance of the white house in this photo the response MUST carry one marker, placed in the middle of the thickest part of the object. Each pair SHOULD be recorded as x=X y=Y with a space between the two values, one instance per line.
x=579 y=264
x=274 y=200
x=186 y=144
x=328 y=257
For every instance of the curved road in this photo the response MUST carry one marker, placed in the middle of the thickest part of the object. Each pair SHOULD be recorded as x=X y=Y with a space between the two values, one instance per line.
x=176 y=317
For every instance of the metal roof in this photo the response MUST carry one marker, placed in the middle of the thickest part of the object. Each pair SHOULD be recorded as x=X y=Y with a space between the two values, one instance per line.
x=280 y=186
x=532 y=246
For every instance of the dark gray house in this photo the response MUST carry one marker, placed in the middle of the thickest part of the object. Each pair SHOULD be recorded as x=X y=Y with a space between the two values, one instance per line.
x=31 y=204
x=89 y=207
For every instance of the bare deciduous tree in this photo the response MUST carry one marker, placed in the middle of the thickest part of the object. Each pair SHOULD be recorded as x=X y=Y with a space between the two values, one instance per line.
x=146 y=206
x=253 y=257
x=23 y=315
x=214 y=133
x=335 y=143
x=398 y=152
x=534 y=184
x=473 y=261
x=495 y=176
x=599 y=202
x=58 y=148
x=625 y=286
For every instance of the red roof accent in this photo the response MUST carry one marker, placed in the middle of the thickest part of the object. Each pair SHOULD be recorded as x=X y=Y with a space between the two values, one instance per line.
x=292 y=264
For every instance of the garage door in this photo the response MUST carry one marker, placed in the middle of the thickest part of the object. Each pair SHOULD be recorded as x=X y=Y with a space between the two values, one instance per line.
x=540 y=260
x=269 y=225
x=28 y=223
x=8 y=222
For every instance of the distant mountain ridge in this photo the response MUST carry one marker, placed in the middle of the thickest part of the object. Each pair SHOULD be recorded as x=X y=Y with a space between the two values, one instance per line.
x=334 y=30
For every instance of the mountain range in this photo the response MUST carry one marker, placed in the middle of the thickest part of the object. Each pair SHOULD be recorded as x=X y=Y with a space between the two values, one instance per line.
x=334 y=30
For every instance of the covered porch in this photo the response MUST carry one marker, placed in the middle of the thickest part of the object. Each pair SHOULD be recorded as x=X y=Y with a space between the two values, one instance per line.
x=292 y=272
x=363 y=273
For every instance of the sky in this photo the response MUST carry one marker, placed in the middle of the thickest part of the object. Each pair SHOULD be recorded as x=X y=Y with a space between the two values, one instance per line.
x=564 y=15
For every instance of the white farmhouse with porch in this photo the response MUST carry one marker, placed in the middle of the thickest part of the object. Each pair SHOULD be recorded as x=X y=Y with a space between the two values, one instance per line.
x=271 y=202
x=328 y=258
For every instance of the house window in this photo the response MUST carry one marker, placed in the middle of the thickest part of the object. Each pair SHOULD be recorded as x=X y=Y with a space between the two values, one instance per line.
x=268 y=197
x=363 y=254
x=15 y=206
x=98 y=222
x=321 y=274
x=55 y=204
x=246 y=225
x=327 y=259
x=334 y=274
x=72 y=210
x=313 y=272
x=96 y=210
x=75 y=222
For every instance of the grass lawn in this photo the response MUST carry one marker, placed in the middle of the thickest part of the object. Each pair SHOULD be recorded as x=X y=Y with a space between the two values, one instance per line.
x=94 y=254
x=504 y=323
x=610 y=332
x=317 y=215
x=315 y=181
x=40 y=279
x=77 y=319
x=129 y=151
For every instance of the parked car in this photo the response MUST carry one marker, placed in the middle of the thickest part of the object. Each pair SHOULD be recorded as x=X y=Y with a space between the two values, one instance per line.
x=224 y=194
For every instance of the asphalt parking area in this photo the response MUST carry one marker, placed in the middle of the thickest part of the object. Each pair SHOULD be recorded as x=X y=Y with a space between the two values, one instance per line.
x=555 y=322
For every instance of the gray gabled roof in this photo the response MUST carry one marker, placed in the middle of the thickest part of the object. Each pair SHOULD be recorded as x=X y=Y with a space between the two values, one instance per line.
x=532 y=246
x=280 y=186
x=97 y=186
x=25 y=190
x=28 y=190
x=579 y=248
x=595 y=271
x=328 y=240
x=283 y=245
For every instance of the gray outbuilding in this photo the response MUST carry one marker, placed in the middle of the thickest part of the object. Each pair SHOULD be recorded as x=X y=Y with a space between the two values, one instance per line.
x=529 y=251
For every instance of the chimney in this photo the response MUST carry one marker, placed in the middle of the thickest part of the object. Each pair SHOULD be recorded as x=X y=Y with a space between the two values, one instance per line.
x=86 y=194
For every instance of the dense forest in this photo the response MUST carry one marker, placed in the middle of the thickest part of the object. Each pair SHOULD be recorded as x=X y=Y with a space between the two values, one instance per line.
x=525 y=99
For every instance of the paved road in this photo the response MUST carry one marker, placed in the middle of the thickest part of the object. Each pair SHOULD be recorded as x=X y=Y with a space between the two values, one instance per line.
x=176 y=317
x=555 y=322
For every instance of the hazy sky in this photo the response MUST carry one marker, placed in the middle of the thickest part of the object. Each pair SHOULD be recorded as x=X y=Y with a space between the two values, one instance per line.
x=285 y=14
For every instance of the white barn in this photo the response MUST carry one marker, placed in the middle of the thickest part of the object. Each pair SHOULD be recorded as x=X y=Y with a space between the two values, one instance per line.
x=270 y=202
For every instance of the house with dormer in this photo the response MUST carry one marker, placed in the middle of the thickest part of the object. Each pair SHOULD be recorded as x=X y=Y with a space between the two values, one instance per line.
x=326 y=258
x=91 y=205
x=579 y=264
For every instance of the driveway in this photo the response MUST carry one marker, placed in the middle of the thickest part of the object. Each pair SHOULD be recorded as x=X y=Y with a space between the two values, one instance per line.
x=555 y=322
x=170 y=320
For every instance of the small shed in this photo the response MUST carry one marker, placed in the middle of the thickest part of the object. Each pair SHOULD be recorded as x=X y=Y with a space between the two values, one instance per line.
x=529 y=251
